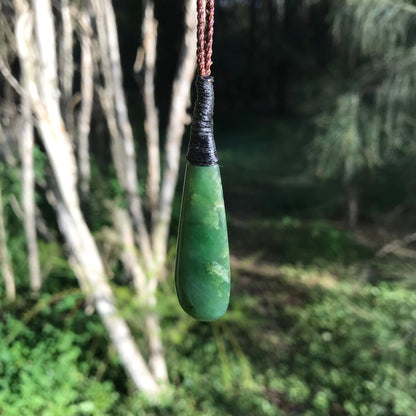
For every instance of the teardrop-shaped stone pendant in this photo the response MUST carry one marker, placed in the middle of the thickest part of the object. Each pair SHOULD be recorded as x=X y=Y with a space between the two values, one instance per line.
x=202 y=273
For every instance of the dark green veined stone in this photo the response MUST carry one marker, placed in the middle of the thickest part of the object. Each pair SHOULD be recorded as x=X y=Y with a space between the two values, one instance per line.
x=202 y=274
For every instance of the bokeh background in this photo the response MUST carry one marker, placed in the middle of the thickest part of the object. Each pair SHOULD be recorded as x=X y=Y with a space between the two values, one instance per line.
x=315 y=124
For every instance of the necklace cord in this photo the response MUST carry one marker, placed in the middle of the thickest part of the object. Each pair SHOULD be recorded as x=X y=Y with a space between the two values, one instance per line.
x=205 y=34
x=201 y=148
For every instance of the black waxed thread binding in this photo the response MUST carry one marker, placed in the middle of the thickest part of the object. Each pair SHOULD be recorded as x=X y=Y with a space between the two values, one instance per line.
x=201 y=149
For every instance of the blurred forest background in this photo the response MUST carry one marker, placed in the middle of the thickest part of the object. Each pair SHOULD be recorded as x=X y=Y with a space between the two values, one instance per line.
x=315 y=123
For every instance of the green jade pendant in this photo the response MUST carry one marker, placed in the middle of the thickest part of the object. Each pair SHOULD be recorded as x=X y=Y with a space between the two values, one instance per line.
x=202 y=275
x=202 y=272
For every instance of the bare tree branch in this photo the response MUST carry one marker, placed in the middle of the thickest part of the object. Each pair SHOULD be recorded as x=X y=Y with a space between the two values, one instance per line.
x=85 y=254
x=129 y=257
x=176 y=126
x=157 y=356
x=66 y=65
x=151 y=124
x=8 y=76
x=87 y=96
x=117 y=110
x=45 y=103
x=5 y=150
x=396 y=245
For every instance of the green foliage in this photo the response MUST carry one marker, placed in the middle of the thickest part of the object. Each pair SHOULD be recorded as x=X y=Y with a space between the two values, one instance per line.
x=54 y=360
x=381 y=67
x=15 y=237
x=352 y=348
x=344 y=145
x=41 y=370
x=210 y=373
x=305 y=333
x=317 y=243
x=360 y=21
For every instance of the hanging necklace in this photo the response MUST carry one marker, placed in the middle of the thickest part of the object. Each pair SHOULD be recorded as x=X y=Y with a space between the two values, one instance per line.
x=202 y=271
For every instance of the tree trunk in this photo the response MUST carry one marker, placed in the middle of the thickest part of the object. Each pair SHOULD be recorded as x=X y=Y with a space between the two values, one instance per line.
x=26 y=142
x=351 y=188
x=281 y=10
x=146 y=290
x=154 y=336
x=5 y=266
x=253 y=48
x=66 y=65
x=272 y=27
x=85 y=254
x=87 y=96
x=129 y=258
x=352 y=198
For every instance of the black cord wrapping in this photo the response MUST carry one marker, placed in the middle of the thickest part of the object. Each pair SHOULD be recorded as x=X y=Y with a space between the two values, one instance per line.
x=201 y=149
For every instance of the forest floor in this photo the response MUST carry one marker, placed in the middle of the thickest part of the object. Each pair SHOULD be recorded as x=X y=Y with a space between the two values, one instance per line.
x=317 y=324
x=325 y=309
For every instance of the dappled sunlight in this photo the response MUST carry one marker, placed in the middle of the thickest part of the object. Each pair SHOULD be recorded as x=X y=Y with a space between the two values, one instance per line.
x=310 y=277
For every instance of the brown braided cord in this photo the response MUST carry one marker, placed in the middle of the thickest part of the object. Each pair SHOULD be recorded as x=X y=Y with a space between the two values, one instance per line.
x=201 y=35
x=205 y=33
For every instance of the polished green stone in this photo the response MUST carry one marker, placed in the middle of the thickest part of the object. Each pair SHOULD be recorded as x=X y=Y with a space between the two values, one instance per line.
x=202 y=273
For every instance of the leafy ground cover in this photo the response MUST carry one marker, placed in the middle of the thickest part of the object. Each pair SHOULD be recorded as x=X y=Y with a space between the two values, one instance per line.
x=317 y=324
